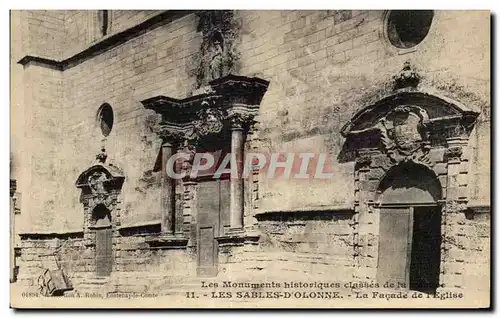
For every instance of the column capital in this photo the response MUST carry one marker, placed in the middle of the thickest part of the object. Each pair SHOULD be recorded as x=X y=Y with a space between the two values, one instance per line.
x=170 y=137
x=240 y=121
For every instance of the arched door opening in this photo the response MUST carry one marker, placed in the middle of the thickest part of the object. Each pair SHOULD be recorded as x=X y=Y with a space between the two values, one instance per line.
x=410 y=228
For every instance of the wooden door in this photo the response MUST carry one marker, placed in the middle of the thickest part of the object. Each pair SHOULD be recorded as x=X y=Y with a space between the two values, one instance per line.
x=213 y=219
x=104 y=251
x=394 y=247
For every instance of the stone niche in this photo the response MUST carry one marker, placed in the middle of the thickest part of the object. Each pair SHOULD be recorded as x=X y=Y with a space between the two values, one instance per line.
x=410 y=151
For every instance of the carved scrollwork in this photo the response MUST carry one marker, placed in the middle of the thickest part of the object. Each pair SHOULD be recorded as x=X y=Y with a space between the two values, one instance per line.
x=210 y=121
x=96 y=182
x=99 y=193
x=101 y=186
x=401 y=132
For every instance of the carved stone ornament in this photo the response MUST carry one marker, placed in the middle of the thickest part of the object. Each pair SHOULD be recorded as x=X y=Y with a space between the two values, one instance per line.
x=453 y=153
x=401 y=131
x=408 y=77
x=100 y=195
x=170 y=135
x=102 y=156
x=405 y=128
x=100 y=184
x=210 y=121
x=218 y=56
x=233 y=102
x=96 y=182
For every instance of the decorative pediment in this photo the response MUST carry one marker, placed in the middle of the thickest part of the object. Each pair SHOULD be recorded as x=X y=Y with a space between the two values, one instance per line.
x=407 y=124
x=439 y=109
x=100 y=177
x=228 y=99
x=100 y=185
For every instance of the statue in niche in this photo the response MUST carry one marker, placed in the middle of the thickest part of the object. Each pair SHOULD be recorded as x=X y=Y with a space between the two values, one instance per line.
x=218 y=56
x=96 y=182
x=216 y=49
x=100 y=195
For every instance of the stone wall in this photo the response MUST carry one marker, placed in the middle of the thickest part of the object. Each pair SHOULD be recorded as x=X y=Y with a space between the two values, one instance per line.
x=467 y=253
x=300 y=244
x=53 y=253
x=82 y=27
x=137 y=267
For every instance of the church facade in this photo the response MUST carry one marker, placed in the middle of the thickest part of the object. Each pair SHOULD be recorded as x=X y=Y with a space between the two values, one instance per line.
x=103 y=99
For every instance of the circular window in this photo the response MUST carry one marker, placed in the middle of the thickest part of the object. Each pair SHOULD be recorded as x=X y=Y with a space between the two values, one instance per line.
x=105 y=117
x=407 y=28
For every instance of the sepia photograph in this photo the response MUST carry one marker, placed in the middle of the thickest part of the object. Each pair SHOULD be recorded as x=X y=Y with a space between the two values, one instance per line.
x=250 y=159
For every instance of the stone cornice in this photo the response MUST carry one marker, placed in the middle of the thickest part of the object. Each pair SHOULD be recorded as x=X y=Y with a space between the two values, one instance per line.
x=237 y=239
x=306 y=213
x=50 y=235
x=167 y=242
x=107 y=43
x=226 y=92
x=228 y=100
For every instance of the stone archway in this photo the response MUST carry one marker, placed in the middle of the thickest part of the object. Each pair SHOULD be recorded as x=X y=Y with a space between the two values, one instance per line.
x=410 y=218
x=407 y=127
x=101 y=186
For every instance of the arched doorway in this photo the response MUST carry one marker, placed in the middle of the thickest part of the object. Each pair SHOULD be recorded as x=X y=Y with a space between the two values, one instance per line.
x=101 y=186
x=410 y=228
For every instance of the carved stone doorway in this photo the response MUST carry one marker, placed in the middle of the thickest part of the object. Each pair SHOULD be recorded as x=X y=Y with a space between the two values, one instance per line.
x=410 y=229
x=101 y=187
x=429 y=135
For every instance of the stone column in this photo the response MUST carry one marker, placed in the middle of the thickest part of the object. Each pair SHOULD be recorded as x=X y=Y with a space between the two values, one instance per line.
x=167 y=191
x=237 y=186
x=454 y=224
x=365 y=219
